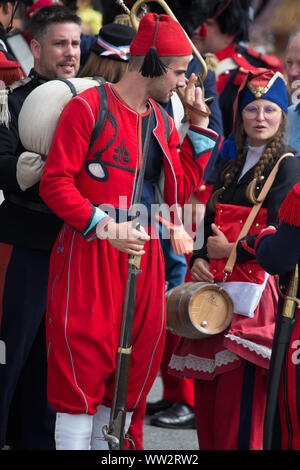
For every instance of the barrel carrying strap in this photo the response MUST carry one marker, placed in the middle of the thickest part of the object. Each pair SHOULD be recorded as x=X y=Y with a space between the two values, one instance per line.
x=253 y=213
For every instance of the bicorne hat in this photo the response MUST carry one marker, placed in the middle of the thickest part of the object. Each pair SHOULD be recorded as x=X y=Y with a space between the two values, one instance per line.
x=258 y=84
x=114 y=41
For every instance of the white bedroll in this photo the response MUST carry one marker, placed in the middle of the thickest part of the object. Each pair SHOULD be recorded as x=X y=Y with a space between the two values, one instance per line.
x=41 y=111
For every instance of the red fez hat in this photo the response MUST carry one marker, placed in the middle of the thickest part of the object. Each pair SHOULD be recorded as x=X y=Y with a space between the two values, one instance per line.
x=37 y=6
x=159 y=36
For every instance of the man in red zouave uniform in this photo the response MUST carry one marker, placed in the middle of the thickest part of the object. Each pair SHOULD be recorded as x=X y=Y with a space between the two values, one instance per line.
x=92 y=190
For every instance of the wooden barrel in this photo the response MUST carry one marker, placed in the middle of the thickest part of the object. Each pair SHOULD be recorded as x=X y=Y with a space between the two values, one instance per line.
x=198 y=310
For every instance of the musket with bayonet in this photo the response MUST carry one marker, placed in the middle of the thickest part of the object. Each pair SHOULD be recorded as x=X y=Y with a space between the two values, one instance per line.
x=114 y=434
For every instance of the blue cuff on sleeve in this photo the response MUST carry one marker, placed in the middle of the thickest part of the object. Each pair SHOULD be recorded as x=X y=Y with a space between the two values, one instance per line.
x=98 y=216
x=202 y=142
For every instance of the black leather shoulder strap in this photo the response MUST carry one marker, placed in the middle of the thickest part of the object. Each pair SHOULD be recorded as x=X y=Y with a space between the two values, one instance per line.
x=103 y=107
x=102 y=115
x=70 y=85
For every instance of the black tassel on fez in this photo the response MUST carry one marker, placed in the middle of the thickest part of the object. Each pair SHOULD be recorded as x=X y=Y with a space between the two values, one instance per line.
x=152 y=65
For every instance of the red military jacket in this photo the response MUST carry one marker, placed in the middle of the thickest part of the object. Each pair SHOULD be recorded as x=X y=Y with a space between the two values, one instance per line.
x=76 y=180
x=244 y=60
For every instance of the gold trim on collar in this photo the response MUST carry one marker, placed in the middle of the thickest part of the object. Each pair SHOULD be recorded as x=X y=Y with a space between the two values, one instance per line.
x=211 y=62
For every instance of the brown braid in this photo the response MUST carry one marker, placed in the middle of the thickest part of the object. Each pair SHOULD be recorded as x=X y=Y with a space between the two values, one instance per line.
x=232 y=168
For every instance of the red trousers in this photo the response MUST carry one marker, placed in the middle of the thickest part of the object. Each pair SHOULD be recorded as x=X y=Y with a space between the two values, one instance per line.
x=175 y=389
x=84 y=313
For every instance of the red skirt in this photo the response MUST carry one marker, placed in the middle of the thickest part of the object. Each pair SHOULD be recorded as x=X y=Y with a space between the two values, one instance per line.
x=87 y=286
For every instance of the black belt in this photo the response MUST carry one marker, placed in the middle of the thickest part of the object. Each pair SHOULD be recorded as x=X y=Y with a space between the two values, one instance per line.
x=34 y=206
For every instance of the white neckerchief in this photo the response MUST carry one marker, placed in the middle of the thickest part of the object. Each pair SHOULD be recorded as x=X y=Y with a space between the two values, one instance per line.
x=252 y=157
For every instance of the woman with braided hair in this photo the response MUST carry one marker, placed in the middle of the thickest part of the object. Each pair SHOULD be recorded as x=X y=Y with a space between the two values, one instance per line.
x=230 y=368
x=266 y=154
